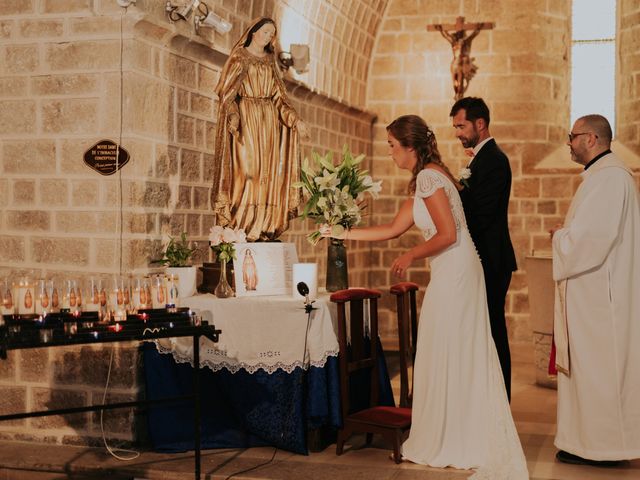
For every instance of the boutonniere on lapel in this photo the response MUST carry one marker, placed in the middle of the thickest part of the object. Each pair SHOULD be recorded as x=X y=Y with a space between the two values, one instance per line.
x=465 y=175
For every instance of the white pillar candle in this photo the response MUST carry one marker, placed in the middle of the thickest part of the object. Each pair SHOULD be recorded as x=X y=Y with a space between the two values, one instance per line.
x=307 y=273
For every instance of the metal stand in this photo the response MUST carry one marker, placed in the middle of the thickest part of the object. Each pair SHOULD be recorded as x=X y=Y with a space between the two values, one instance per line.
x=24 y=333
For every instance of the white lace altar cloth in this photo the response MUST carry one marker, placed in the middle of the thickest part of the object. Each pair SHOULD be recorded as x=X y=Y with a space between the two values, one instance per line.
x=258 y=333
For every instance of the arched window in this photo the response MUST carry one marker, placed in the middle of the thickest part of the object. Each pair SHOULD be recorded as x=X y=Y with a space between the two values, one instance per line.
x=593 y=59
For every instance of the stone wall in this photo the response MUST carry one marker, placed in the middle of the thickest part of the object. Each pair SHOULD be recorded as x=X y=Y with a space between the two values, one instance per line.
x=52 y=378
x=628 y=93
x=64 y=70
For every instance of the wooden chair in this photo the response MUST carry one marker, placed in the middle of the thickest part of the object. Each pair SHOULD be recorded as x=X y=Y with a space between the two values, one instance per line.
x=405 y=293
x=358 y=353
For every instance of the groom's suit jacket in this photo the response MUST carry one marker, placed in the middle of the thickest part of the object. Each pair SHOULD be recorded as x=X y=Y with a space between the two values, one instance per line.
x=485 y=202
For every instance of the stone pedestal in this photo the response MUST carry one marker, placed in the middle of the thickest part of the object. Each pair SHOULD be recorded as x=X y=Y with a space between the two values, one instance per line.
x=541 y=297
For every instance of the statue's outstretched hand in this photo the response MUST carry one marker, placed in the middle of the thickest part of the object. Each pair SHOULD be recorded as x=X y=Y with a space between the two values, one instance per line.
x=303 y=130
x=234 y=123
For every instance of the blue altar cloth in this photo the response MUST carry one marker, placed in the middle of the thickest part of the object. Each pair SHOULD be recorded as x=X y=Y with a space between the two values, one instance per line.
x=241 y=410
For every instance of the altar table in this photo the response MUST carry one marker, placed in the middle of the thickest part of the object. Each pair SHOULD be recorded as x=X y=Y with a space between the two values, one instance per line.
x=256 y=390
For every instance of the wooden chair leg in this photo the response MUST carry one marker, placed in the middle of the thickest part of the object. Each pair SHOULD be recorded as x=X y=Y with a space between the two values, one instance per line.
x=340 y=442
x=396 y=447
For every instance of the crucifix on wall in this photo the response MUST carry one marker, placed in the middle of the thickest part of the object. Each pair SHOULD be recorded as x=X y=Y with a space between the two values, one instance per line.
x=462 y=67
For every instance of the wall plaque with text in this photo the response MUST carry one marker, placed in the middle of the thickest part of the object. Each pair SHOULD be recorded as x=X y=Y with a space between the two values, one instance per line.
x=106 y=158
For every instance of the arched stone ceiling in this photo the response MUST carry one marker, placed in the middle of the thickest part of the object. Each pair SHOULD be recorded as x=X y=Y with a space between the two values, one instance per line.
x=340 y=33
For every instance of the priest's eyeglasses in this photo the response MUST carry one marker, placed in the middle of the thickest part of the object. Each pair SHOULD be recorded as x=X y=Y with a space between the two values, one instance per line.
x=574 y=135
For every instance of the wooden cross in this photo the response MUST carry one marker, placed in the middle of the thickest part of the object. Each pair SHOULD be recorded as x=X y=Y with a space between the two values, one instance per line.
x=462 y=66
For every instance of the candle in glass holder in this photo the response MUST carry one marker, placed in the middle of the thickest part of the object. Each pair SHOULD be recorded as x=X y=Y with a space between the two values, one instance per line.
x=117 y=307
x=71 y=297
x=24 y=294
x=65 y=301
x=75 y=299
x=171 y=287
x=7 y=305
x=158 y=292
x=139 y=300
x=55 y=298
x=43 y=298
x=92 y=294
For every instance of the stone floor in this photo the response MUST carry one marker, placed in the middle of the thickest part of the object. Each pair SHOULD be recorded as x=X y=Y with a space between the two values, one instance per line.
x=533 y=409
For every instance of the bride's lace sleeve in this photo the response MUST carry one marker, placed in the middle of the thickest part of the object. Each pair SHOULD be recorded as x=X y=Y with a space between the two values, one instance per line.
x=427 y=182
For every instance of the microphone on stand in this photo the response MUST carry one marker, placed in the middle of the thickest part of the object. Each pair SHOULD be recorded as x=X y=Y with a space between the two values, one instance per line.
x=303 y=289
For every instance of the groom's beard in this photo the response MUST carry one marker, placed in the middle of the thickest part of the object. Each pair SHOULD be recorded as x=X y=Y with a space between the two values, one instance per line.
x=470 y=141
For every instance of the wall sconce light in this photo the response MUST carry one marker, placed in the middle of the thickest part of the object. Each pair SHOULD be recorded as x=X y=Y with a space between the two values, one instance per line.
x=298 y=58
x=210 y=19
x=182 y=12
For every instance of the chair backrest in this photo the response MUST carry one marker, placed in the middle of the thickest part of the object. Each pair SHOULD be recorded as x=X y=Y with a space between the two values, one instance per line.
x=405 y=293
x=358 y=352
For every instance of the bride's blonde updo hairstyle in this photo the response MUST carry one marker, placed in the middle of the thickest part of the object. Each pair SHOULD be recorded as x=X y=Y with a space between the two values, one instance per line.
x=412 y=131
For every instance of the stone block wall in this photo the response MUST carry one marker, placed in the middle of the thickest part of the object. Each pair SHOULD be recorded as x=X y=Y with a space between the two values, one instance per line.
x=67 y=377
x=628 y=94
x=65 y=69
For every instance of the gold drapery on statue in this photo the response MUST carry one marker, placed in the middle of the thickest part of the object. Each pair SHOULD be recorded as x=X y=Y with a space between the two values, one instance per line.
x=253 y=170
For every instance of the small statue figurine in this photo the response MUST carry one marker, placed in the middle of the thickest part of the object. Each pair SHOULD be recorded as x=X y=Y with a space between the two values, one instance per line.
x=249 y=271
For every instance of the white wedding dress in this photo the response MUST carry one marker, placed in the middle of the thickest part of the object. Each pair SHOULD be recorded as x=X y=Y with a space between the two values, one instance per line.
x=461 y=416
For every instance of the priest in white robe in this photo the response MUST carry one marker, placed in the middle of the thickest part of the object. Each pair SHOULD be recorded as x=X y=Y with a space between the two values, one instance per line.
x=596 y=266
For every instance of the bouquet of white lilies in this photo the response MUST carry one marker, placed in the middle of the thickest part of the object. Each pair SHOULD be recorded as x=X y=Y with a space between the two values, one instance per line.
x=335 y=192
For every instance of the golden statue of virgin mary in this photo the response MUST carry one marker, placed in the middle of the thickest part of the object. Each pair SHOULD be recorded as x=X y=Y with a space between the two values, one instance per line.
x=256 y=152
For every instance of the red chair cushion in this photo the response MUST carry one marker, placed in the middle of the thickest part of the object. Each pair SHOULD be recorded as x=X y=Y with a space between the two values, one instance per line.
x=403 y=287
x=354 y=294
x=395 y=417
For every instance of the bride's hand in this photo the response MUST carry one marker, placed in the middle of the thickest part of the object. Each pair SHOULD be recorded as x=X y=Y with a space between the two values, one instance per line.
x=401 y=265
x=328 y=231
x=325 y=230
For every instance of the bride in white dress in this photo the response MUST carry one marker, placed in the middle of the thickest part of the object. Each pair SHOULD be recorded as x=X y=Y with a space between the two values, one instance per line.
x=460 y=416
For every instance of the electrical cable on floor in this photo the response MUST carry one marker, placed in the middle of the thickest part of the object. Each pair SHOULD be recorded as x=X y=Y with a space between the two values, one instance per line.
x=275 y=450
x=308 y=309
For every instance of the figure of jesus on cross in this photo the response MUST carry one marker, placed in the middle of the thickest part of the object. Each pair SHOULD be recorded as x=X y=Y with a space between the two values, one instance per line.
x=462 y=67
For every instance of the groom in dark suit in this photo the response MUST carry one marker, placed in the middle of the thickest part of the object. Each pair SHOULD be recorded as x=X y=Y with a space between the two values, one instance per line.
x=485 y=198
